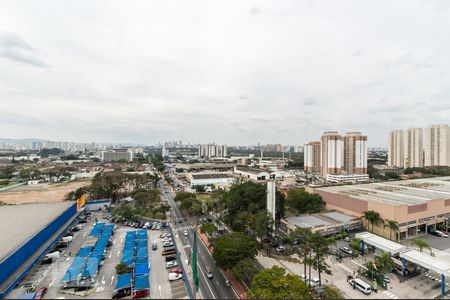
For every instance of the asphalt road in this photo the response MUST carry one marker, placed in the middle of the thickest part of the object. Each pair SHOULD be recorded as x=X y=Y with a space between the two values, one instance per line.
x=214 y=288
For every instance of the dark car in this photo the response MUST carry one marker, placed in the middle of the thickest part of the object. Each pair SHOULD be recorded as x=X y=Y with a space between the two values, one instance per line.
x=82 y=221
x=171 y=258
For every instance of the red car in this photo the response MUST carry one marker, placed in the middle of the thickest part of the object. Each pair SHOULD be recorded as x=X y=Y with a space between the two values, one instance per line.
x=176 y=270
x=40 y=293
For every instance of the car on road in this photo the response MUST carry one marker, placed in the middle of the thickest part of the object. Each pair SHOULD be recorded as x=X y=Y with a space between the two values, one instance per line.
x=185 y=232
x=209 y=274
x=175 y=276
x=346 y=250
x=167 y=244
x=281 y=249
x=314 y=281
x=155 y=246
x=40 y=293
x=441 y=234
x=171 y=264
x=386 y=278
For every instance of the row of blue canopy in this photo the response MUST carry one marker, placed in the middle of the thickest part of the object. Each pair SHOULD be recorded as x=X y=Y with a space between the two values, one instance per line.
x=88 y=258
x=135 y=255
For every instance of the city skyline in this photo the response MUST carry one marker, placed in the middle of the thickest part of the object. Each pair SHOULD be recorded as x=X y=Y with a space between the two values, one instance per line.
x=153 y=71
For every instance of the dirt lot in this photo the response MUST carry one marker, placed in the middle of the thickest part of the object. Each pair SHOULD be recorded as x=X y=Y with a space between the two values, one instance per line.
x=44 y=192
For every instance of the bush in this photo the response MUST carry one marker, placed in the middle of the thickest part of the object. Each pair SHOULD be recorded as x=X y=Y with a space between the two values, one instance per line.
x=121 y=269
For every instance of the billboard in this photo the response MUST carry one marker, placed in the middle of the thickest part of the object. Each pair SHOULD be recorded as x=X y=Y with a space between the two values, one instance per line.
x=81 y=201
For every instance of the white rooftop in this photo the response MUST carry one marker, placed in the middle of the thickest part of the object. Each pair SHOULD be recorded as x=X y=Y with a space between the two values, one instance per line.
x=427 y=261
x=381 y=243
x=401 y=192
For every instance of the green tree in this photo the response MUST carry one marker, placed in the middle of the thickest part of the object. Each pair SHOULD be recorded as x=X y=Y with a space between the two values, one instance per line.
x=391 y=175
x=183 y=195
x=199 y=188
x=372 y=217
x=422 y=244
x=208 y=228
x=356 y=244
x=274 y=283
x=233 y=247
x=263 y=224
x=303 y=202
x=303 y=237
x=245 y=269
x=332 y=292
x=121 y=269
x=383 y=262
x=393 y=227
x=321 y=249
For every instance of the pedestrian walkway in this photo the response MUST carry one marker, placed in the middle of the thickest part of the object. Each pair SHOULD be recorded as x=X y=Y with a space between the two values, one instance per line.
x=184 y=228
x=390 y=295
x=340 y=265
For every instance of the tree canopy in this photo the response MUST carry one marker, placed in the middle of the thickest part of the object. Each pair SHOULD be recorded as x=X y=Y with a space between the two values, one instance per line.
x=274 y=283
x=303 y=202
x=231 y=248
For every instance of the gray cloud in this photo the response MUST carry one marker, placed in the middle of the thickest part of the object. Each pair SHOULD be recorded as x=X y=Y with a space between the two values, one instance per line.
x=14 y=48
x=236 y=72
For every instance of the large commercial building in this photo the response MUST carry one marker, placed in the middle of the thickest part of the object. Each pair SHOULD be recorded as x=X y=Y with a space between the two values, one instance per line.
x=437 y=145
x=216 y=179
x=27 y=232
x=212 y=150
x=416 y=204
x=355 y=153
x=406 y=148
x=312 y=157
x=116 y=155
x=332 y=150
x=273 y=148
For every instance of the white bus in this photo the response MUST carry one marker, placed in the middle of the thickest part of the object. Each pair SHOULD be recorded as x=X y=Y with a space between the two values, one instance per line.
x=360 y=285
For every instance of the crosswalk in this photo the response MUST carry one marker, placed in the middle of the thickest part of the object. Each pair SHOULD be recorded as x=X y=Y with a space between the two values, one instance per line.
x=390 y=295
x=184 y=228
x=340 y=265
x=435 y=278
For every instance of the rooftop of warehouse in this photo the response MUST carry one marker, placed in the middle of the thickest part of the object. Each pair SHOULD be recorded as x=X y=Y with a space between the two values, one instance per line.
x=401 y=192
x=320 y=219
x=19 y=223
x=211 y=176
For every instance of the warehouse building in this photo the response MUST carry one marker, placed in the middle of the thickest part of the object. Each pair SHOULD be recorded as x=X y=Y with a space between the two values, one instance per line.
x=216 y=179
x=27 y=232
x=417 y=205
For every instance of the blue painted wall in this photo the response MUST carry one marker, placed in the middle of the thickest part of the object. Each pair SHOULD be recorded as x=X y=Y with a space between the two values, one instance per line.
x=12 y=262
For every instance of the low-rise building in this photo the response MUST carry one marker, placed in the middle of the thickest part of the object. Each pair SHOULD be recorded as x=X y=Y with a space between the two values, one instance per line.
x=216 y=179
x=326 y=223
x=351 y=178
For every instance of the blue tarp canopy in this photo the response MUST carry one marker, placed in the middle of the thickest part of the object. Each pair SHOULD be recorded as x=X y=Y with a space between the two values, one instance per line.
x=91 y=268
x=128 y=262
x=96 y=256
x=128 y=254
x=72 y=274
x=123 y=281
x=142 y=243
x=141 y=269
x=141 y=283
x=129 y=245
x=78 y=262
x=142 y=252
x=84 y=251
x=141 y=260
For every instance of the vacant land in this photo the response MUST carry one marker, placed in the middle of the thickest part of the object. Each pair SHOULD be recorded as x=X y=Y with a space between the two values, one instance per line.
x=40 y=193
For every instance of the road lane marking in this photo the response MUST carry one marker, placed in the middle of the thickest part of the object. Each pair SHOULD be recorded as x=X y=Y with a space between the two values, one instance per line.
x=103 y=279
x=118 y=253
x=114 y=242
x=112 y=279
x=85 y=234
x=159 y=288
x=67 y=259
x=217 y=283
x=109 y=256
x=51 y=283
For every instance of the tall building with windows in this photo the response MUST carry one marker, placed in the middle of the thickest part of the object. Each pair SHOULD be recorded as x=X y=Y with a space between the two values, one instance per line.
x=212 y=150
x=355 y=153
x=395 y=150
x=437 y=145
x=332 y=153
x=413 y=148
x=311 y=152
x=116 y=155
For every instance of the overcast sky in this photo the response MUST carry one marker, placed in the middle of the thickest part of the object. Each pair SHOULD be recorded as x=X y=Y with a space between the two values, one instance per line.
x=235 y=72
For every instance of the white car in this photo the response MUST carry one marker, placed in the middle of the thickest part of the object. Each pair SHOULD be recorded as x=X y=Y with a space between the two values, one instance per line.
x=171 y=264
x=441 y=234
x=304 y=277
x=175 y=276
x=167 y=244
x=314 y=281
x=185 y=233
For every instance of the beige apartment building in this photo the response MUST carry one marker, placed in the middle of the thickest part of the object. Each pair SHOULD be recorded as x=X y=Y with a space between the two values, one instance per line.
x=395 y=150
x=355 y=153
x=332 y=153
x=437 y=146
x=413 y=148
x=312 y=157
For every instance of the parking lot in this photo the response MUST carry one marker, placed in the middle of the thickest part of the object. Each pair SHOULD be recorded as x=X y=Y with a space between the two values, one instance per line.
x=50 y=275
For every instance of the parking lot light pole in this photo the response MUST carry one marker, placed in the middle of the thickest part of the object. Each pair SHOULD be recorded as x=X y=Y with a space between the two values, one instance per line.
x=443 y=284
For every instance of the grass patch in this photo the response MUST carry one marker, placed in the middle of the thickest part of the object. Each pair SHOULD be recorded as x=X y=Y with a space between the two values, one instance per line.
x=203 y=197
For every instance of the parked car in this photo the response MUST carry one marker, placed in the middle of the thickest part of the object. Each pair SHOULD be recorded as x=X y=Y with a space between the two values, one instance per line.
x=314 y=281
x=185 y=233
x=171 y=264
x=167 y=244
x=170 y=258
x=304 y=277
x=441 y=234
x=346 y=250
x=176 y=270
x=209 y=274
x=281 y=249
x=40 y=293
x=175 y=276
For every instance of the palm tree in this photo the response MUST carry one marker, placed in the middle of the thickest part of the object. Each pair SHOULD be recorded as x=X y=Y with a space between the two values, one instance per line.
x=421 y=244
x=372 y=217
x=321 y=248
x=393 y=227
x=384 y=262
x=303 y=236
